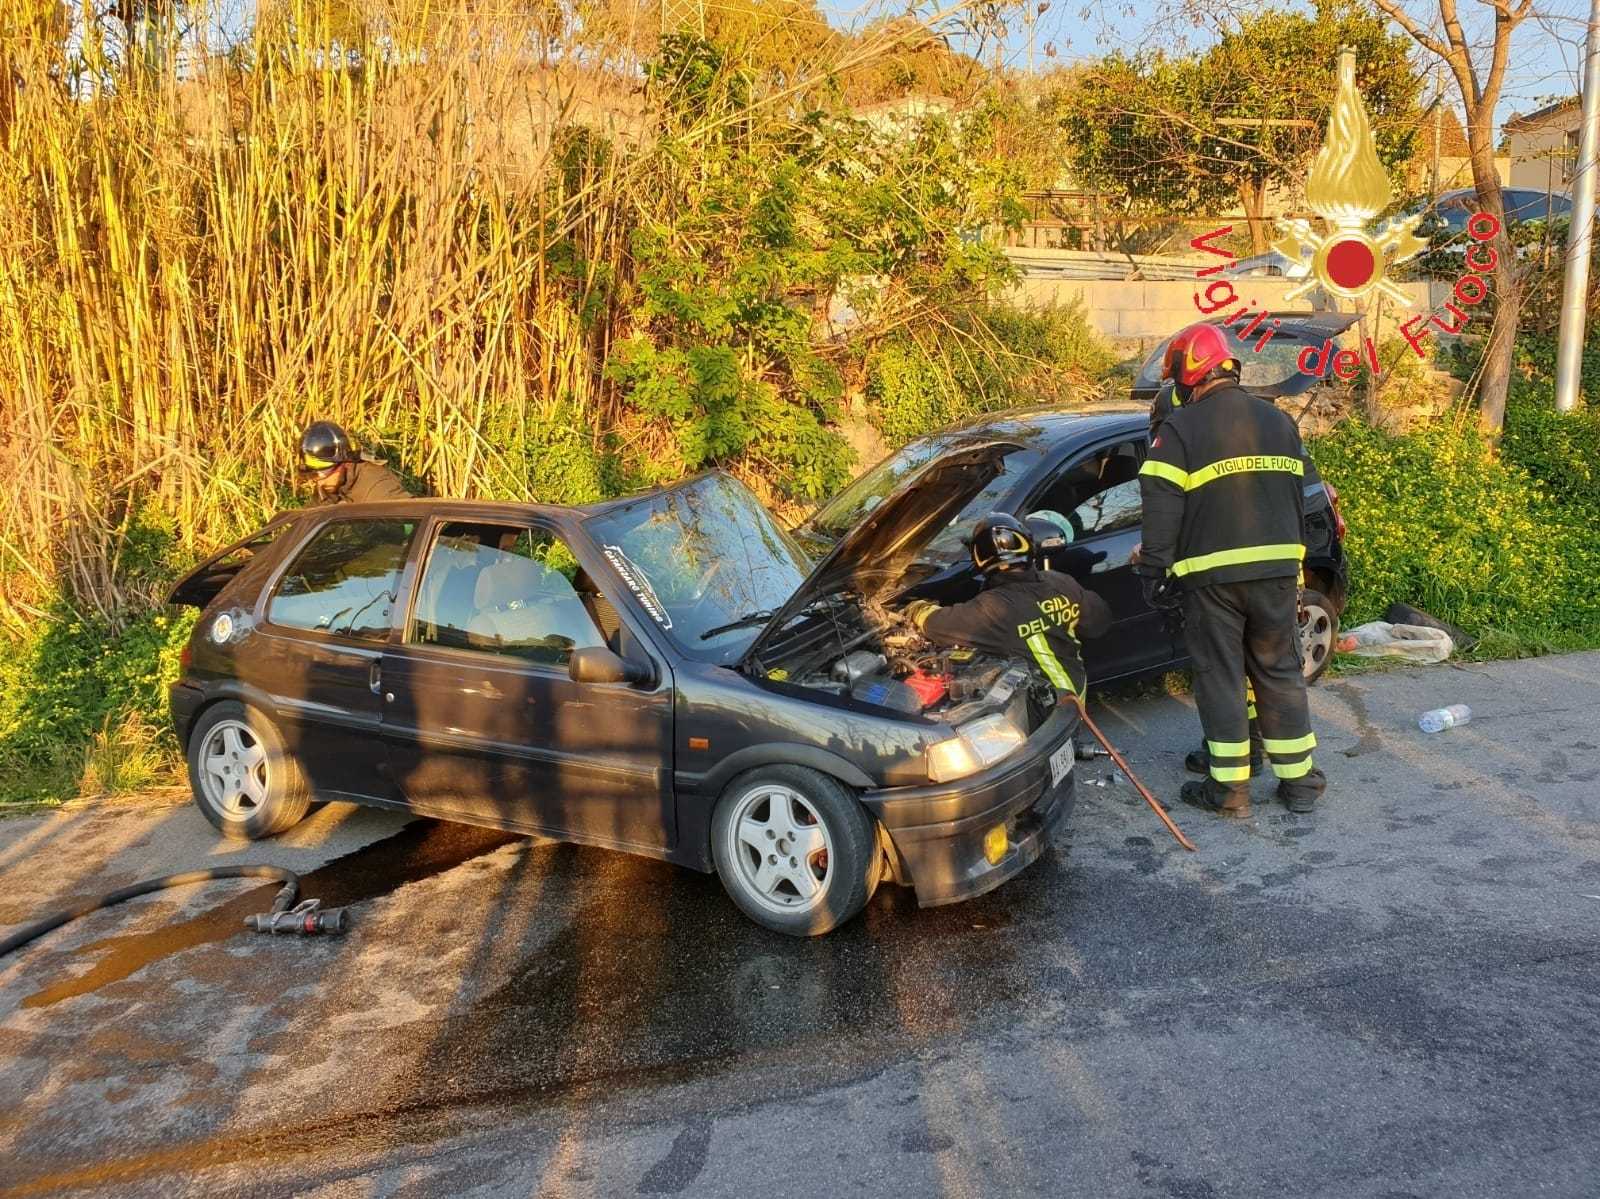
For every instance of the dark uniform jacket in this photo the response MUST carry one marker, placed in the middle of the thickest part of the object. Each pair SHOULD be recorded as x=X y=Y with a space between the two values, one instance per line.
x=1223 y=501
x=1039 y=614
x=368 y=482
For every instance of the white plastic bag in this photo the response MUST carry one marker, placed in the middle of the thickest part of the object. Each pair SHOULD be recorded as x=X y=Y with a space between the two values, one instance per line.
x=1414 y=642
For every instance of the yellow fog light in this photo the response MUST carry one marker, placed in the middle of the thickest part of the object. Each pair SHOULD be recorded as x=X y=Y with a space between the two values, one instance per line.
x=995 y=843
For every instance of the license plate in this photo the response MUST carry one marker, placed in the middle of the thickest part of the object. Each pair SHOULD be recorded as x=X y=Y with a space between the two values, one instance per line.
x=1060 y=764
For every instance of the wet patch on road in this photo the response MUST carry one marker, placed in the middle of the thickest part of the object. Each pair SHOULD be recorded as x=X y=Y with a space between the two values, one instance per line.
x=420 y=850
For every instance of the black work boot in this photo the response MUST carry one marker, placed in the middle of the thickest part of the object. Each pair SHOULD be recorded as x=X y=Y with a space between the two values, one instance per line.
x=1211 y=796
x=1199 y=760
x=1301 y=794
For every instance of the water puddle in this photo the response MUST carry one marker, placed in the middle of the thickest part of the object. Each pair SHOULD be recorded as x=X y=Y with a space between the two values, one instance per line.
x=420 y=850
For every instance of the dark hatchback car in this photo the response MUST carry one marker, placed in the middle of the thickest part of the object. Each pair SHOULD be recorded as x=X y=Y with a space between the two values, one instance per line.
x=666 y=674
x=1082 y=463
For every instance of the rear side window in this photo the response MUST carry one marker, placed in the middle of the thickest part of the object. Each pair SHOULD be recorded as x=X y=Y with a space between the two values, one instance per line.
x=345 y=580
x=505 y=589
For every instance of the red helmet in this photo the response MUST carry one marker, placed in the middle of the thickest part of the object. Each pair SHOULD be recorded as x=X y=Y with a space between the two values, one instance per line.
x=1195 y=353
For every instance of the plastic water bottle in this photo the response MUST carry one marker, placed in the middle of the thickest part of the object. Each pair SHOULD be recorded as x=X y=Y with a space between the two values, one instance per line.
x=1440 y=719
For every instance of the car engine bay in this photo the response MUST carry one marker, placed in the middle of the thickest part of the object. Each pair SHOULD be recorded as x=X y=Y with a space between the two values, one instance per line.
x=871 y=653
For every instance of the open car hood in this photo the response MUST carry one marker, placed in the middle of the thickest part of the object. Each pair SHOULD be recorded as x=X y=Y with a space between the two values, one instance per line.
x=873 y=556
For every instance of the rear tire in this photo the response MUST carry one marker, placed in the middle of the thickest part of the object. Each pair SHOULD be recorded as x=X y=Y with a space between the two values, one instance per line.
x=795 y=849
x=1319 y=631
x=243 y=778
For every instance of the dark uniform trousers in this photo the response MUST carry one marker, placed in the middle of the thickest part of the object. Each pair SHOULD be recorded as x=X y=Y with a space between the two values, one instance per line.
x=1248 y=631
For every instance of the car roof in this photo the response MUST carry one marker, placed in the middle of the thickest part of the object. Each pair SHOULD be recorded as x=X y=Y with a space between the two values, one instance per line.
x=431 y=506
x=1053 y=420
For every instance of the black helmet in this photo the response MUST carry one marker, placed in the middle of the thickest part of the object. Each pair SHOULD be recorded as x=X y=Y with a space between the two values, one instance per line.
x=323 y=445
x=1001 y=542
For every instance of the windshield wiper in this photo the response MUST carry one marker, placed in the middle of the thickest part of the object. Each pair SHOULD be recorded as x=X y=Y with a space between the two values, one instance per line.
x=744 y=622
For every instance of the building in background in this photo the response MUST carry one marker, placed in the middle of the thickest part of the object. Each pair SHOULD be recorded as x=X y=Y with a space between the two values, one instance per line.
x=1544 y=146
x=1442 y=153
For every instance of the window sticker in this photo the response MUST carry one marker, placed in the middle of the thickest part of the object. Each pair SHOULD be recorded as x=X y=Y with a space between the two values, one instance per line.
x=638 y=584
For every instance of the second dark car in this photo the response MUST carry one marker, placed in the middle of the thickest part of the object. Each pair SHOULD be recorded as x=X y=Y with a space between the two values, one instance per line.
x=1084 y=464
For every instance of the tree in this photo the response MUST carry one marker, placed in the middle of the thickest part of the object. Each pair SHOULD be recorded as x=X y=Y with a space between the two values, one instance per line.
x=1232 y=122
x=1479 y=83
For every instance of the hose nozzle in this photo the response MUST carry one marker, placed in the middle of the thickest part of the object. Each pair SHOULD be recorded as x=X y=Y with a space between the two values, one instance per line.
x=307 y=918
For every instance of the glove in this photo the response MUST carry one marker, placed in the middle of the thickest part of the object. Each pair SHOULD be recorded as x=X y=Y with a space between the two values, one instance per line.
x=918 y=611
x=1161 y=592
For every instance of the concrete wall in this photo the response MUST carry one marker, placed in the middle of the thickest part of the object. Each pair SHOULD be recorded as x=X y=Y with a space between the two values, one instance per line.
x=1135 y=316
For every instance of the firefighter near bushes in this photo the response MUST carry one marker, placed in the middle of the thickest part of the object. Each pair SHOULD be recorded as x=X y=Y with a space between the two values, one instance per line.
x=1023 y=610
x=1223 y=505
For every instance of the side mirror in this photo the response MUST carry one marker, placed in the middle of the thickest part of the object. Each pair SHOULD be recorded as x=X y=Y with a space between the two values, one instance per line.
x=597 y=664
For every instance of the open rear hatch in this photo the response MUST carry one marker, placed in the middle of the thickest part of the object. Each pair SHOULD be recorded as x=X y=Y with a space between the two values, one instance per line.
x=205 y=582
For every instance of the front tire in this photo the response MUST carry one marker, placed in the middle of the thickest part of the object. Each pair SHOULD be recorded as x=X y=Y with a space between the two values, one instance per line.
x=795 y=849
x=1319 y=630
x=243 y=778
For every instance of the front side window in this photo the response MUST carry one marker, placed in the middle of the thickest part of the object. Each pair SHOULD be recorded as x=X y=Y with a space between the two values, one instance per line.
x=345 y=580
x=503 y=589
x=1116 y=508
x=1098 y=493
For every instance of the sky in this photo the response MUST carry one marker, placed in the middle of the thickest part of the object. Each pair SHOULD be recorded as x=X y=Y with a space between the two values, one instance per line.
x=1545 y=62
x=1546 y=53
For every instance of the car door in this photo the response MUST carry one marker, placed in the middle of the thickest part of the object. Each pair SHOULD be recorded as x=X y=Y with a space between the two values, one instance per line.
x=317 y=646
x=1097 y=491
x=482 y=720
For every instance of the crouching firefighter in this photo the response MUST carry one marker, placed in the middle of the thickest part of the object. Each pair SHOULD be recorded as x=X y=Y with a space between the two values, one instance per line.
x=1222 y=517
x=1022 y=611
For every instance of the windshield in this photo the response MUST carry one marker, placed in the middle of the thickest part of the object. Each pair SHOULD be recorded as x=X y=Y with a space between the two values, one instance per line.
x=851 y=506
x=845 y=510
x=699 y=557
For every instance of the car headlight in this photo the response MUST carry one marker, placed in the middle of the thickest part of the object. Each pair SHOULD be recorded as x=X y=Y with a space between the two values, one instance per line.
x=977 y=744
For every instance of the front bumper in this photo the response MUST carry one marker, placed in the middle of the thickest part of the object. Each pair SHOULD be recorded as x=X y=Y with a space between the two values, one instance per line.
x=936 y=832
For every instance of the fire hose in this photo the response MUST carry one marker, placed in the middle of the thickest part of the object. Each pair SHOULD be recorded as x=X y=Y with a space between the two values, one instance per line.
x=307 y=919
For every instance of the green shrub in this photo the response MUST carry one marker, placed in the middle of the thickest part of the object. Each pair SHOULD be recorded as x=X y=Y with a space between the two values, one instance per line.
x=1560 y=449
x=1437 y=521
x=989 y=358
x=73 y=686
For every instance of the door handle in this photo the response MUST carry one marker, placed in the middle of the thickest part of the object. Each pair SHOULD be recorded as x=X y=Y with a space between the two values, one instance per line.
x=374 y=677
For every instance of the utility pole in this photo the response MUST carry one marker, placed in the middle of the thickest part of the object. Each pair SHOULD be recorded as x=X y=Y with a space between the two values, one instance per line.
x=1580 y=236
x=1438 y=125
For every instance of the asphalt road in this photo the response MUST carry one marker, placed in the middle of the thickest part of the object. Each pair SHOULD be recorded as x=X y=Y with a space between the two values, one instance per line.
x=1395 y=996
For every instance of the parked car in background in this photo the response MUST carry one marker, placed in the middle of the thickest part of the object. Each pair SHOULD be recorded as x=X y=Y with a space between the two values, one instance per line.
x=666 y=674
x=1455 y=208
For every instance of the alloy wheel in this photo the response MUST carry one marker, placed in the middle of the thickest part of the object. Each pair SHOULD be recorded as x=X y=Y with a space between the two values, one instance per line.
x=1316 y=637
x=780 y=848
x=233 y=769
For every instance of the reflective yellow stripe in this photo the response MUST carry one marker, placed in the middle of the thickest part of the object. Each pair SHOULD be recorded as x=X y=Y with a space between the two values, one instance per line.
x=1227 y=749
x=1250 y=691
x=1226 y=468
x=1292 y=770
x=1049 y=663
x=1246 y=464
x=1230 y=774
x=1294 y=745
x=317 y=463
x=1250 y=553
x=1250 y=708
x=1165 y=470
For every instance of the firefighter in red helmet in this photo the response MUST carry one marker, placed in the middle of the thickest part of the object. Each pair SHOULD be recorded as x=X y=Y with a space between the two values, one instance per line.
x=1222 y=516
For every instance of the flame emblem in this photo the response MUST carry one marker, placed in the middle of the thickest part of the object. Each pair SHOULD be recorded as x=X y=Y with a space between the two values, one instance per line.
x=1347 y=187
